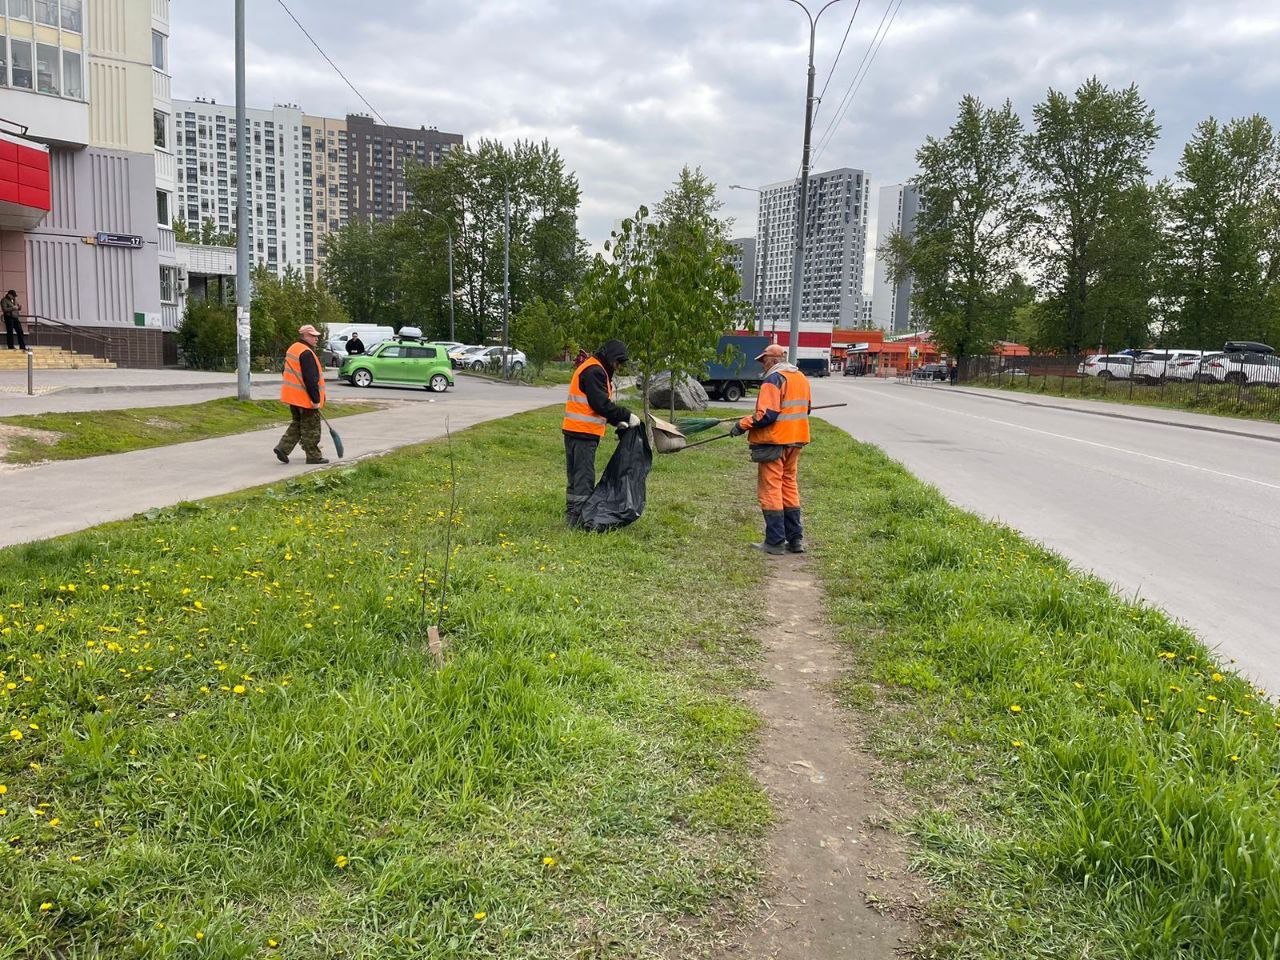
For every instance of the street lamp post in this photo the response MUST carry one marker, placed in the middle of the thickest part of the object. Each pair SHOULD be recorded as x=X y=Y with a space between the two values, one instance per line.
x=506 y=275
x=243 y=293
x=797 y=262
x=448 y=232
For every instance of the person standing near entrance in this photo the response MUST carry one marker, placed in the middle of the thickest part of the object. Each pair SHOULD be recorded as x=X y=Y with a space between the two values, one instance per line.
x=302 y=388
x=777 y=432
x=953 y=372
x=587 y=413
x=12 y=310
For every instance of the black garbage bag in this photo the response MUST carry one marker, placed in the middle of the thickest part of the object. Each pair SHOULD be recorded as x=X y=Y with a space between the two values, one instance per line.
x=618 y=498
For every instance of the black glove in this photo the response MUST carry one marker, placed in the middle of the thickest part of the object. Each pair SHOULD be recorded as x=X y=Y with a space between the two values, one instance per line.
x=736 y=430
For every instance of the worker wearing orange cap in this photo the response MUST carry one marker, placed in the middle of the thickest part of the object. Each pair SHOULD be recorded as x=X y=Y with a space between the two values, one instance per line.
x=302 y=388
x=777 y=432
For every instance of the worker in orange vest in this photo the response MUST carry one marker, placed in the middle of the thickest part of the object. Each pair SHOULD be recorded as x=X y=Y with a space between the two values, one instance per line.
x=587 y=413
x=302 y=388
x=777 y=432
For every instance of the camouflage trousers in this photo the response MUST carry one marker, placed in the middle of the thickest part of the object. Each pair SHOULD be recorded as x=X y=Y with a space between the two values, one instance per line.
x=303 y=429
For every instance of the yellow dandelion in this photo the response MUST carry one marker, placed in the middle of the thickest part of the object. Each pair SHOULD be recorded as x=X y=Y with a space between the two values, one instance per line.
x=1015 y=708
x=238 y=688
x=3 y=789
x=341 y=862
x=1218 y=678
x=548 y=861
x=199 y=934
x=480 y=914
x=46 y=907
x=272 y=943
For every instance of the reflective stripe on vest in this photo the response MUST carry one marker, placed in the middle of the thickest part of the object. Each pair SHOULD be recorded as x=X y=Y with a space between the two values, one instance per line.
x=578 y=415
x=293 y=389
x=792 y=423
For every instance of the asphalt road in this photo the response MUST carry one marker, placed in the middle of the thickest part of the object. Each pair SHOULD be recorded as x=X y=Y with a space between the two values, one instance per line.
x=1185 y=519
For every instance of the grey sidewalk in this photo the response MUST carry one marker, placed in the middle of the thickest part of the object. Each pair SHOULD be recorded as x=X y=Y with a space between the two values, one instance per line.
x=56 y=498
x=1237 y=426
x=106 y=381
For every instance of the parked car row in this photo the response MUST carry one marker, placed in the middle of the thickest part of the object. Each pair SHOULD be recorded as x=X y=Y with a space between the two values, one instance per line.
x=1239 y=362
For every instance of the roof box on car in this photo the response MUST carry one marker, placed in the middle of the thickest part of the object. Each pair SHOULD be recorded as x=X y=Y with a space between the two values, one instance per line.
x=1246 y=346
x=410 y=333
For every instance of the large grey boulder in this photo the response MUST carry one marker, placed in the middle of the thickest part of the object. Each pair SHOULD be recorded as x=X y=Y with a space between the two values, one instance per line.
x=689 y=393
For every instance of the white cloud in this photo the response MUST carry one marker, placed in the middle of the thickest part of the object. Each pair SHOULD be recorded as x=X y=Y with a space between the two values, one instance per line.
x=631 y=90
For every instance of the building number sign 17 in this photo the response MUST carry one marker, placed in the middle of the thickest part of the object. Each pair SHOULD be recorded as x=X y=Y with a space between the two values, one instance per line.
x=129 y=240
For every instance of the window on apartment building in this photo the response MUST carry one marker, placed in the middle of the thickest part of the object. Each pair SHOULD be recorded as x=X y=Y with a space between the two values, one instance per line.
x=48 y=69
x=72 y=75
x=162 y=208
x=157 y=49
x=71 y=10
x=20 y=9
x=160 y=131
x=168 y=284
x=47 y=12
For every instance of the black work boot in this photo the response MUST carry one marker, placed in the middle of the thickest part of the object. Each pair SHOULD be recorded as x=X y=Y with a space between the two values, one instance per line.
x=772 y=549
x=280 y=454
x=796 y=545
x=317 y=459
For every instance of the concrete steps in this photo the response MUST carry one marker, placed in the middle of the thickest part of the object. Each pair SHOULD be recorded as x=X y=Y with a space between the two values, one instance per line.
x=52 y=358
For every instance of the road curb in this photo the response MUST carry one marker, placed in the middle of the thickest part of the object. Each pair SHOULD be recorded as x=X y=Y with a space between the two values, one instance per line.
x=150 y=387
x=1114 y=415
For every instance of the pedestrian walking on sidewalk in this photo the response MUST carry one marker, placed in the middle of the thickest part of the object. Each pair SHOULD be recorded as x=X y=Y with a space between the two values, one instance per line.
x=587 y=413
x=953 y=372
x=777 y=432
x=302 y=388
x=12 y=310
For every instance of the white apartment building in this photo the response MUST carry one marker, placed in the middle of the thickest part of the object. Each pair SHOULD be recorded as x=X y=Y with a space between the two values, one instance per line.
x=326 y=206
x=899 y=205
x=835 y=247
x=208 y=172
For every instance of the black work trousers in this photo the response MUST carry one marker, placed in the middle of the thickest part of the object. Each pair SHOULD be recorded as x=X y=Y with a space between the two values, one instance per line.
x=580 y=469
x=12 y=328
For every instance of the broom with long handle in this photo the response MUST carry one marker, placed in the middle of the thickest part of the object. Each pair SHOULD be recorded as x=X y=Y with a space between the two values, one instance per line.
x=698 y=424
x=333 y=434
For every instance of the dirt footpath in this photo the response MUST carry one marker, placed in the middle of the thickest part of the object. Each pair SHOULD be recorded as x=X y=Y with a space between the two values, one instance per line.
x=837 y=884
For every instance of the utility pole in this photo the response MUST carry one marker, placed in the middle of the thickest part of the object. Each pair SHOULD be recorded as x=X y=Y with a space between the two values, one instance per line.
x=506 y=273
x=797 y=262
x=243 y=293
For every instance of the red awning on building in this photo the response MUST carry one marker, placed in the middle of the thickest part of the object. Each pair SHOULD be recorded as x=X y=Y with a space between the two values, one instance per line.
x=24 y=182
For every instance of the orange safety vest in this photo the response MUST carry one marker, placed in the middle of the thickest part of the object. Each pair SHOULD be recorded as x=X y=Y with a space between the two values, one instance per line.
x=293 y=390
x=792 y=403
x=578 y=415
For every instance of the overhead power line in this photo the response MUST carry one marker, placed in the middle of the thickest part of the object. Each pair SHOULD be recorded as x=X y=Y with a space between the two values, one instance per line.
x=868 y=59
x=332 y=64
x=836 y=62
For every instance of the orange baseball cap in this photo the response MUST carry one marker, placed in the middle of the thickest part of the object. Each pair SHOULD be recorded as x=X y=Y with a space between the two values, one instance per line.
x=773 y=350
x=306 y=329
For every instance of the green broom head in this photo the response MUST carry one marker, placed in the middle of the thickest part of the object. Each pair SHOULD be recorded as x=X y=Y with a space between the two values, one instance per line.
x=690 y=425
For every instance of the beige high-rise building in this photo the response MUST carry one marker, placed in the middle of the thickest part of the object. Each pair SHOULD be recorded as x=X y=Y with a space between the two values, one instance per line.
x=325 y=203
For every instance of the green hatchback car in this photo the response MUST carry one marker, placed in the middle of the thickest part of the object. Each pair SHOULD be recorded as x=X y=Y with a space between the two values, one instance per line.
x=401 y=361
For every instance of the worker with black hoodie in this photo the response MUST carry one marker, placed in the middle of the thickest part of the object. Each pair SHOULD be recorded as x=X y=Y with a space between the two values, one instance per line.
x=587 y=413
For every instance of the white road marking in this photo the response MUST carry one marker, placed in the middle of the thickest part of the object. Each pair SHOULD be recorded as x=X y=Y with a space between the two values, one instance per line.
x=1093 y=443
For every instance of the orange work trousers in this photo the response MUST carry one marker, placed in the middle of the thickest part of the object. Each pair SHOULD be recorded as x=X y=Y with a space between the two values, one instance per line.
x=777 y=483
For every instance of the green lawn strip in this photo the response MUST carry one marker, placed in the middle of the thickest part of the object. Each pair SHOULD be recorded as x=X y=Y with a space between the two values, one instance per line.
x=97 y=432
x=1224 y=400
x=1088 y=782
x=231 y=714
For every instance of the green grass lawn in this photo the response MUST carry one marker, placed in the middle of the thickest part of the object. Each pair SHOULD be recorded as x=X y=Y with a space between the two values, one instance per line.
x=93 y=433
x=222 y=736
x=1088 y=783
x=1220 y=399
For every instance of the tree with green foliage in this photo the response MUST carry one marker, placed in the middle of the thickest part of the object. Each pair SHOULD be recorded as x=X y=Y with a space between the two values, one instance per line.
x=667 y=288
x=964 y=253
x=465 y=192
x=361 y=268
x=1088 y=160
x=1223 y=277
x=543 y=330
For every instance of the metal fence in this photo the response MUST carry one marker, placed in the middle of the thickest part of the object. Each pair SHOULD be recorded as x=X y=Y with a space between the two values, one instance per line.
x=1232 y=389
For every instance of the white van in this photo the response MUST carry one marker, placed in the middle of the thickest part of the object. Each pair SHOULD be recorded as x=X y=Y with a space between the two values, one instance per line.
x=335 y=350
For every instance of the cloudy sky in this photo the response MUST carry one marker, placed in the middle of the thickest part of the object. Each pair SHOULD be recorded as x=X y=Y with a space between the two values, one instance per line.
x=629 y=90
